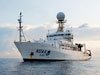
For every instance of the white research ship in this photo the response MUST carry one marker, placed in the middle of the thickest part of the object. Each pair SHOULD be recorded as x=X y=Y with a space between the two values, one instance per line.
x=57 y=46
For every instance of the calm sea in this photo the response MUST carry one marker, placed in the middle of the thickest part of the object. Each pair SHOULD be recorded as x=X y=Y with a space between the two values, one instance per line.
x=18 y=67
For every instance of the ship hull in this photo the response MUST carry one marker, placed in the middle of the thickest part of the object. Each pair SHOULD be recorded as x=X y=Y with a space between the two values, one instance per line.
x=42 y=51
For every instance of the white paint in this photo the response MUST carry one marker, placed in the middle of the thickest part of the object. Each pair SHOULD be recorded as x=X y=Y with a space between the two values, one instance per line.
x=25 y=48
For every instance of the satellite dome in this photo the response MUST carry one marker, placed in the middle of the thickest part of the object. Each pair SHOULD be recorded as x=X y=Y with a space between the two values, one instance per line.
x=60 y=16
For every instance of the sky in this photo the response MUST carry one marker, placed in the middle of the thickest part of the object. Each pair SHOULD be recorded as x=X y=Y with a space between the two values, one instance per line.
x=40 y=15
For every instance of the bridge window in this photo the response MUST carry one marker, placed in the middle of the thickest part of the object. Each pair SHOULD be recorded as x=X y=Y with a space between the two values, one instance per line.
x=68 y=34
x=55 y=35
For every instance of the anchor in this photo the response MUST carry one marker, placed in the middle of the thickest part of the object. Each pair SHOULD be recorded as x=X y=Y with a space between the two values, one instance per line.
x=31 y=54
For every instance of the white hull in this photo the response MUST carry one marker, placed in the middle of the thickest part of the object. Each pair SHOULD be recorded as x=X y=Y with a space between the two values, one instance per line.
x=43 y=51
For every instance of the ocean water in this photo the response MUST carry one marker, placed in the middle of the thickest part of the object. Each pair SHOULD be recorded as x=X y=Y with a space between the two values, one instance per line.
x=18 y=67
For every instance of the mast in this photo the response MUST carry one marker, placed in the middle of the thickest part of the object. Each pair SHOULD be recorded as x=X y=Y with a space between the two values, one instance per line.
x=20 y=28
x=60 y=28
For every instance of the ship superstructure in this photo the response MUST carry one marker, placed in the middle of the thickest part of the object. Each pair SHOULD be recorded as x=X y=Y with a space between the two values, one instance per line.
x=57 y=46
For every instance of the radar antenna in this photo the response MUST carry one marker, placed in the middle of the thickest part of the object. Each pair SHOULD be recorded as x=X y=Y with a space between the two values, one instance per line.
x=61 y=21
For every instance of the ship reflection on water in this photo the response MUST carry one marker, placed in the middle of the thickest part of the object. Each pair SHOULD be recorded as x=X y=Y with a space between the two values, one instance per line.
x=45 y=68
x=18 y=67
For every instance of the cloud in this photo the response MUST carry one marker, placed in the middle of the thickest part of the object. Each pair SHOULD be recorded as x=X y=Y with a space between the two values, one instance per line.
x=7 y=48
x=46 y=26
x=87 y=33
x=9 y=33
x=85 y=25
x=30 y=26
x=11 y=26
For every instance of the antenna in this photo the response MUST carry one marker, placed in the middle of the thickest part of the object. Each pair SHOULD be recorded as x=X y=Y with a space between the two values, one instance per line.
x=61 y=21
x=20 y=27
x=48 y=31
